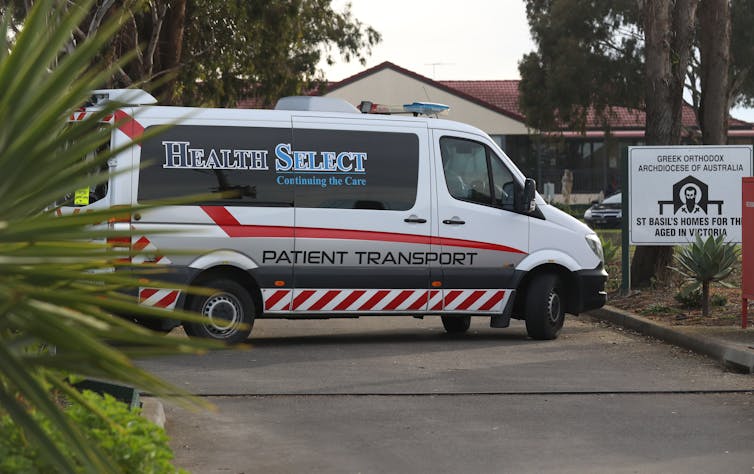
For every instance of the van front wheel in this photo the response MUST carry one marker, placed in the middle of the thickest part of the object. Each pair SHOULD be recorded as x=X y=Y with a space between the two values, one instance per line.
x=228 y=312
x=456 y=324
x=544 y=308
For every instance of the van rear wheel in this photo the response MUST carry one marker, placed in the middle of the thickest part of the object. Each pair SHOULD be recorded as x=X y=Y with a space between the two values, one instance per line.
x=456 y=324
x=544 y=308
x=229 y=312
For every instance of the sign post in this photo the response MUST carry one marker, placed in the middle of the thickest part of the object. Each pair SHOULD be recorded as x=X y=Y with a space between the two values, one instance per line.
x=747 y=248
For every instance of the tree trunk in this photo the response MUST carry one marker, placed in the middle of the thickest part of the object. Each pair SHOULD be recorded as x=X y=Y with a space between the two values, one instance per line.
x=171 y=48
x=668 y=36
x=714 y=56
x=705 y=299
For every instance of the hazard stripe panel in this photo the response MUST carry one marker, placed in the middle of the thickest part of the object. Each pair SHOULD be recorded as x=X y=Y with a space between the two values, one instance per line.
x=159 y=297
x=148 y=252
x=383 y=300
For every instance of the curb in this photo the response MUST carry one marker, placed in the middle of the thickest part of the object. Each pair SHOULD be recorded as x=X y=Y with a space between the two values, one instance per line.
x=732 y=356
x=152 y=410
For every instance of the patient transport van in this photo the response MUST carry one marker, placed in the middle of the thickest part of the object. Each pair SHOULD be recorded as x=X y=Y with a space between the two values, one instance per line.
x=323 y=211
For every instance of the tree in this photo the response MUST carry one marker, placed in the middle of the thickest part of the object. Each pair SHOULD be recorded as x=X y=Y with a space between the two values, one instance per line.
x=715 y=58
x=213 y=52
x=742 y=52
x=637 y=54
x=55 y=288
x=270 y=49
x=668 y=35
x=588 y=58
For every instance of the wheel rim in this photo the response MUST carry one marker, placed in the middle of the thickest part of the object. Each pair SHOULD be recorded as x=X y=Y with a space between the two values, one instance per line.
x=224 y=313
x=553 y=308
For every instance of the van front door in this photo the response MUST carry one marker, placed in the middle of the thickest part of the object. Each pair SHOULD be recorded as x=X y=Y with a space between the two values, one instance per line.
x=482 y=238
x=362 y=217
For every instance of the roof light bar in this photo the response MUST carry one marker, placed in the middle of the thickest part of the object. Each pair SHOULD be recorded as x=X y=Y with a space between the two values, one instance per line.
x=426 y=108
x=416 y=108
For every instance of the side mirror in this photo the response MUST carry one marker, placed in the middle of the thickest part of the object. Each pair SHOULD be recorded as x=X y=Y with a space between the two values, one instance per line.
x=526 y=203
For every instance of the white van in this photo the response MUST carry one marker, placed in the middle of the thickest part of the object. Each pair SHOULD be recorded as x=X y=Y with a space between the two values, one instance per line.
x=322 y=211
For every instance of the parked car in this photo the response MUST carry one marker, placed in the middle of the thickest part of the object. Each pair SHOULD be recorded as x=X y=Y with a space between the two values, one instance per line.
x=607 y=213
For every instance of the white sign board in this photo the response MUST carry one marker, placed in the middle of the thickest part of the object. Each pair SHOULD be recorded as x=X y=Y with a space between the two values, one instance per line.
x=677 y=192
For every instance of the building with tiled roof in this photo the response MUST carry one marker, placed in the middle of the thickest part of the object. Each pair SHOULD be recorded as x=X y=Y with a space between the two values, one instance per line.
x=493 y=106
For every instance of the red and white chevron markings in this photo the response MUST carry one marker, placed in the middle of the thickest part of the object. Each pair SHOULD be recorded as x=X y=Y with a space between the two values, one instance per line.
x=384 y=300
x=147 y=252
x=158 y=297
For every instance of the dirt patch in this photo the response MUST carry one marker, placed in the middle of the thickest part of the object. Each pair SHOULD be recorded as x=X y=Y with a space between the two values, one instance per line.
x=663 y=301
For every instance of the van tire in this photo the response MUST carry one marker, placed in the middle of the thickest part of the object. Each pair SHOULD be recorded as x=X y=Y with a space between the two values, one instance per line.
x=456 y=324
x=544 y=308
x=232 y=308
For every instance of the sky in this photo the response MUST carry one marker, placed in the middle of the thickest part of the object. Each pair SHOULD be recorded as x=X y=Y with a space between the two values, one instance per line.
x=448 y=39
x=443 y=39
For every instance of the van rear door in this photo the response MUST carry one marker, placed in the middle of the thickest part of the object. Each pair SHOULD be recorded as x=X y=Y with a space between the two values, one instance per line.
x=248 y=224
x=363 y=216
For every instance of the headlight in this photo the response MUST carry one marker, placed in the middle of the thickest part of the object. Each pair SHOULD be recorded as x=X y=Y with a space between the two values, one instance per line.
x=594 y=243
x=588 y=214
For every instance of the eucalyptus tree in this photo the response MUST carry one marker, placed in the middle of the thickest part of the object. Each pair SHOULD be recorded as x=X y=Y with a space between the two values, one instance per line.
x=214 y=52
x=641 y=54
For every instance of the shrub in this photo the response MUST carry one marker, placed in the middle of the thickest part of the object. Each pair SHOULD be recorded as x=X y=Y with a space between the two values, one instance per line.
x=691 y=297
x=705 y=261
x=657 y=309
x=130 y=441
x=611 y=250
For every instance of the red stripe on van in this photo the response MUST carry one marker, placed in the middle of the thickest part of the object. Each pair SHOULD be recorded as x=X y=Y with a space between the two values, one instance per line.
x=301 y=298
x=128 y=125
x=496 y=298
x=324 y=300
x=350 y=299
x=438 y=305
x=472 y=244
x=466 y=304
x=402 y=296
x=223 y=218
x=420 y=302
x=141 y=243
x=168 y=300
x=275 y=298
x=374 y=300
x=146 y=293
x=450 y=297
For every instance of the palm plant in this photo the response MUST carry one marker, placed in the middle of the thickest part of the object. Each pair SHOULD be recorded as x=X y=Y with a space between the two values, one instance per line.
x=53 y=290
x=705 y=261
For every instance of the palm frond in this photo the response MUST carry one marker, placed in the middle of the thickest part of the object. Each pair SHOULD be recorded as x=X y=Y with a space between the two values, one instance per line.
x=57 y=287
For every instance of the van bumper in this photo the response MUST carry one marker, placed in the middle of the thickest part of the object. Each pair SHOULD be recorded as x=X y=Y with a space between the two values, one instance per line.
x=590 y=285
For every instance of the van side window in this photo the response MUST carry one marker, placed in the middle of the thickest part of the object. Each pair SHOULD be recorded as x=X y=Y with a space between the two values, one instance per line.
x=474 y=173
x=380 y=170
x=237 y=163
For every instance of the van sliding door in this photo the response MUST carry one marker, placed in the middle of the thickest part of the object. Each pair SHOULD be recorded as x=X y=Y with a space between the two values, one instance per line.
x=362 y=215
